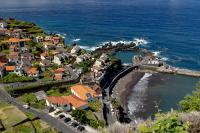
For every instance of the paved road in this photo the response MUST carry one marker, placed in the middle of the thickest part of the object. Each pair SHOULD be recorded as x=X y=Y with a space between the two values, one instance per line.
x=108 y=91
x=58 y=124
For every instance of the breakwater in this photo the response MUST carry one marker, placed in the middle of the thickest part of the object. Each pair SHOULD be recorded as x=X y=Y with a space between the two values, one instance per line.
x=170 y=70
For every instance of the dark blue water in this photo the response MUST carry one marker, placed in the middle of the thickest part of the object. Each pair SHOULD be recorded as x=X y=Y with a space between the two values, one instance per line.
x=171 y=26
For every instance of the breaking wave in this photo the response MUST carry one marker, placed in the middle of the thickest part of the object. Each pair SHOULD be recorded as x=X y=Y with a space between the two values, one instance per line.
x=89 y=48
x=76 y=40
x=138 y=94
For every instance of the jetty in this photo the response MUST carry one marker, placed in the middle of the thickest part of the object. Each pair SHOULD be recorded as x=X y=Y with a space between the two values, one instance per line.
x=170 y=70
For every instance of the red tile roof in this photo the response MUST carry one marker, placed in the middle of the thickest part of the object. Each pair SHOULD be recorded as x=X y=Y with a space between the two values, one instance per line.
x=10 y=68
x=33 y=70
x=59 y=70
x=63 y=100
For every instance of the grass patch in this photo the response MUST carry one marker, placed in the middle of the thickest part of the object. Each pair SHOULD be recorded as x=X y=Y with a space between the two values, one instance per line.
x=31 y=115
x=3 y=104
x=31 y=99
x=95 y=106
x=59 y=91
x=22 y=128
x=11 y=115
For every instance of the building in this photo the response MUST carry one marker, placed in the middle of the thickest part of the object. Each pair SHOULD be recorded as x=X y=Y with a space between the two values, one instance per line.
x=75 y=50
x=2 y=69
x=44 y=55
x=14 y=57
x=3 y=58
x=67 y=103
x=33 y=72
x=10 y=69
x=17 y=41
x=56 y=40
x=84 y=92
x=59 y=74
x=38 y=39
x=3 y=24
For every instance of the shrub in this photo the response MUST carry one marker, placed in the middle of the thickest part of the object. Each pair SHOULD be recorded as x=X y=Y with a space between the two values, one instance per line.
x=164 y=123
x=191 y=102
x=11 y=78
x=95 y=106
x=81 y=116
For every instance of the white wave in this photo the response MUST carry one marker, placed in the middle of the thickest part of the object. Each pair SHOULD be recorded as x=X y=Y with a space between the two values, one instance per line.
x=89 y=48
x=156 y=53
x=127 y=64
x=164 y=59
x=137 y=41
x=135 y=100
x=76 y=40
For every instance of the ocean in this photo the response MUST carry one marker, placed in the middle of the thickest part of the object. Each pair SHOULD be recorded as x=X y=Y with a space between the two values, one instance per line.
x=171 y=27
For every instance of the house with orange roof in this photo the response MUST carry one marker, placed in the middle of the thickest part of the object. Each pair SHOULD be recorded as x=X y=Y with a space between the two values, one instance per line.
x=13 y=69
x=59 y=73
x=84 y=92
x=67 y=103
x=13 y=48
x=10 y=69
x=33 y=72
x=17 y=41
x=2 y=69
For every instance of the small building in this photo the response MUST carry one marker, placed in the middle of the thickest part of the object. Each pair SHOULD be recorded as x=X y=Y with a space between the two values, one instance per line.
x=10 y=69
x=56 y=40
x=38 y=39
x=14 y=57
x=13 y=48
x=79 y=59
x=75 y=50
x=33 y=72
x=16 y=33
x=84 y=92
x=3 y=24
x=48 y=38
x=40 y=95
x=44 y=55
x=2 y=31
x=17 y=41
x=3 y=58
x=2 y=69
x=59 y=74
x=104 y=58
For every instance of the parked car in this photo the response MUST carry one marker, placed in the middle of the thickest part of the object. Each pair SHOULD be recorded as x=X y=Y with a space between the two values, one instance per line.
x=26 y=106
x=61 y=116
x=66 y=120
x=74 y=124
x=81 y=128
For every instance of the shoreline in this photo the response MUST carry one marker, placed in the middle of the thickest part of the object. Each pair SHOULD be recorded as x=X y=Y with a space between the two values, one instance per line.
x=125 y=85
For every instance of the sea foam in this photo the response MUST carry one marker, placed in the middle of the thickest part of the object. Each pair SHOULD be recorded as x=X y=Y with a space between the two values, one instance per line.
x=138 y=94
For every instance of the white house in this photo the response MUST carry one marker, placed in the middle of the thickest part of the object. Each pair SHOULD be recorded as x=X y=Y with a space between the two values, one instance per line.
x=3 y=24
x=75 y=50
x=79 y=59
x=38 y=39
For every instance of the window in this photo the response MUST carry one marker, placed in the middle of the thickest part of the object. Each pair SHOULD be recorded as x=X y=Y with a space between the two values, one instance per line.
x=88 y=95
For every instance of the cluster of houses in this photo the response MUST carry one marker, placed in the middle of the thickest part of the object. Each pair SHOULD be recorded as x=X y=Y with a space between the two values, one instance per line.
x=20 y=59
x=79 y=99
x=99 y=67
